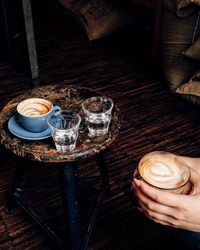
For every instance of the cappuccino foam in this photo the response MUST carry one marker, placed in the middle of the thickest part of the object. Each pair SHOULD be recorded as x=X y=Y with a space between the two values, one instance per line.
x=34 y=107
x=163 y=172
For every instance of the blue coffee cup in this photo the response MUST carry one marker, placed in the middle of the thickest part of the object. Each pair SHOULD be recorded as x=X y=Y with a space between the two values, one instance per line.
x=34 y=112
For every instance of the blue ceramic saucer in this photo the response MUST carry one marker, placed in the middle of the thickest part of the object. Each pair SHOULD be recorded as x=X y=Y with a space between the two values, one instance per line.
x=18 y=130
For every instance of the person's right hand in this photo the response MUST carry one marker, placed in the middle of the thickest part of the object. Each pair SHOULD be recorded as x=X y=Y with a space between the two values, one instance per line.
x=190 y=161
x=171 y=209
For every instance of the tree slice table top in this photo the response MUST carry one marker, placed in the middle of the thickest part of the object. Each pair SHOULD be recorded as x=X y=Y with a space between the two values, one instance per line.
x=68 y=98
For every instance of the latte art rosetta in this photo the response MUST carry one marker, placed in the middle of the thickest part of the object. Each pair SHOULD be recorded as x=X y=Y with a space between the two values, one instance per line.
x=163 y=172
x=35 y=109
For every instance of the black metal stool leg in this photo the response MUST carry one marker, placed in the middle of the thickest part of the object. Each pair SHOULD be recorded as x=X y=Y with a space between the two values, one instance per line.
x=39 y=220
x=71 y=199
x=19 y=173
x=101 y=162
x=105 y=188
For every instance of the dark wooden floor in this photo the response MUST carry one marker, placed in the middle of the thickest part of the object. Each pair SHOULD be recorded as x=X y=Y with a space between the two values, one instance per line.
x=153 y=119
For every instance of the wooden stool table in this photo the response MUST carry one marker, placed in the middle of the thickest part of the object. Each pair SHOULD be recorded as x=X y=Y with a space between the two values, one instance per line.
x=69 y=98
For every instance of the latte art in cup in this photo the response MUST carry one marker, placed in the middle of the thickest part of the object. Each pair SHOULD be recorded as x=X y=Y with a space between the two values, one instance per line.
x=34 y=112
x=163 y=172
x=34 y=107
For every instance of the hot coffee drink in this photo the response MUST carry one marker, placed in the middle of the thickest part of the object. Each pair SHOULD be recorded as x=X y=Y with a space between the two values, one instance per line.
x=34 y=107
x=163 y=171
x=34 y=112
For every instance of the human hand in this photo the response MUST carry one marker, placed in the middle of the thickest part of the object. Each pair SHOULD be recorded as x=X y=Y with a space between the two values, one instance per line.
x=190 y=161
x=176 y=210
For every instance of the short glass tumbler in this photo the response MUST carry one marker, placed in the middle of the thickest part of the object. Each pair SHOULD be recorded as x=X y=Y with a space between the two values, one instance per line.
x=97 y=111
x=64 y=127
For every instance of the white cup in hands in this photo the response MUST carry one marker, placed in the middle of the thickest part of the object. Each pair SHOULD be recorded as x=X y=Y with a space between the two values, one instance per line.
x=164 y=171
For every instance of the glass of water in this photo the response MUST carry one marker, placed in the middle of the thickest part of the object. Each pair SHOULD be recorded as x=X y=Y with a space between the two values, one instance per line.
x=64 y=127
x=98 y=112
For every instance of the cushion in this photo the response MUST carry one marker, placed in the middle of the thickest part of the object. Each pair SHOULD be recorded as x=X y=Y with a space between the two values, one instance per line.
x=178 y=35
x=191 y=90
x=181 y=8
x=193 y=51
x=98 y=17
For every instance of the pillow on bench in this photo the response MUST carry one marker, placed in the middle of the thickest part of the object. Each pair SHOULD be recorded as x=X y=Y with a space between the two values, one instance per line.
x=98 y=17
x=193 y=51
x=180 y=28
x=191 y=89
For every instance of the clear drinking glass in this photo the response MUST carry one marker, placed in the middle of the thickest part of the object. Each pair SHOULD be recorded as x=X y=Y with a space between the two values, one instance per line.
x=98 y=112
x=64 y=127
